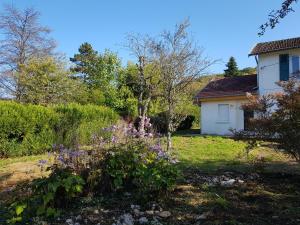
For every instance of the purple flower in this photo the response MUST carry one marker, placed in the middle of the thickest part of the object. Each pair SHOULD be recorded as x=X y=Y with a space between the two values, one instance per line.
x=156 y=148
x=114 y=139
x=150 y=135
x=42 y=162
x=61 y=159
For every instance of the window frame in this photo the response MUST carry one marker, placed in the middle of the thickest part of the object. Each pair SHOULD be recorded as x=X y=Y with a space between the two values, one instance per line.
x=222 y=119
x=293 y=72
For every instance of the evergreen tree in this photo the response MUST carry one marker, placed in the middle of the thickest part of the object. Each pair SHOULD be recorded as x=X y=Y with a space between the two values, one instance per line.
x=232 y=68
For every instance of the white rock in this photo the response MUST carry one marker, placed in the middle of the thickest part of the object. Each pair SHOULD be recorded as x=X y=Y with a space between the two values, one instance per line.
x=79 y=217
x=96 y=211
x=149 y=212
x=69 y=221
x=136 y=212
x=135 y=207
x=227 y=183
x=241 y=181
x=201 y=217
x=143 y=220
x=126 y=219
x=164 y=214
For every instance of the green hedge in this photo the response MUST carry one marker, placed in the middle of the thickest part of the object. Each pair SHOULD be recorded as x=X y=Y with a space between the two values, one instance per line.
x=77 y=123
x=30 y=129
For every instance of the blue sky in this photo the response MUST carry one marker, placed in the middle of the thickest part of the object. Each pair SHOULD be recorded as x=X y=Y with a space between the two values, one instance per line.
x=223 y=28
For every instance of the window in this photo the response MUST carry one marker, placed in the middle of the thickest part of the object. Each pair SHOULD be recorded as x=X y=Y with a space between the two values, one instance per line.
x=295 y=66
x=223 y=113
x=248 y=115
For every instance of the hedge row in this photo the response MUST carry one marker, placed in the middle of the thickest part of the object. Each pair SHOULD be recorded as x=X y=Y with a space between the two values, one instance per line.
x=30 y=129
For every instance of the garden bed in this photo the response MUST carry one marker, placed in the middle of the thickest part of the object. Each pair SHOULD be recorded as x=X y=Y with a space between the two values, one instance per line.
x=218 y=187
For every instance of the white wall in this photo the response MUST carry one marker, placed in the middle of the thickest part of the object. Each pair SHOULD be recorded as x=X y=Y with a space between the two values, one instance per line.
x=211 y=124
x=268 y=70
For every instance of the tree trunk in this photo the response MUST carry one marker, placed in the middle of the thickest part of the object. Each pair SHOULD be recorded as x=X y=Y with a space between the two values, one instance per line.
x=169 y=141
x=142 y=116
x=169 y=125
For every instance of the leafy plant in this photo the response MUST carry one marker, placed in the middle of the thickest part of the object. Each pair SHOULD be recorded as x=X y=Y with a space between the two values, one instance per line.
x=49 y=195
x=139 y=163
x=277 y=119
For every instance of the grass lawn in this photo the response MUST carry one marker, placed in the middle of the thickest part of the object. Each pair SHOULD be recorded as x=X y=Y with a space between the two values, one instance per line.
x=210 y=153
x=269 y=192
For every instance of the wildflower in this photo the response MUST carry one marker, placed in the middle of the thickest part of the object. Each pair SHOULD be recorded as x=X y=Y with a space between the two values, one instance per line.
x=114 y=139
x=42 y=162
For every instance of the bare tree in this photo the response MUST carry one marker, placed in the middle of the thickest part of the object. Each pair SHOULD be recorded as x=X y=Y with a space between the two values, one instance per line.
x=23 y=38
x=142 y=48
x=180 y=61
x=276 y=15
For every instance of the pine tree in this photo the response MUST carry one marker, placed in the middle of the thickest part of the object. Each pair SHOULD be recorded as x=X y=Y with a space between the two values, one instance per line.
x=232 y=68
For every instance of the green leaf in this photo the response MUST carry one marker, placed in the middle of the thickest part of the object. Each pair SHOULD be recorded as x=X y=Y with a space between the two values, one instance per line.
x=78 y=188
x=20 y=209
x=51 y=212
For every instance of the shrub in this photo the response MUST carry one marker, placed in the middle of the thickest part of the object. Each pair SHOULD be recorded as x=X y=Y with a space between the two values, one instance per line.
x=78 y=123
x=187 y=123
x=49 y=195
x=277 y=119
x=121 y=159
x=138 y=166
x=160 y=124
x=138 y=162
x=25 y=129
x=30 y=129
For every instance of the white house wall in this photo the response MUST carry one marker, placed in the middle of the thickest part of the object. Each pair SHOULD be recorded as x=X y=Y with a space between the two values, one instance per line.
x=210 y=123
x=268 y=71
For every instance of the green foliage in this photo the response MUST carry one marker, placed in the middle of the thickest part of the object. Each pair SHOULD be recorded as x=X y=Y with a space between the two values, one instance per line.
x=137 y=166
x=96 y=70
x=105 y=79
x=248 y=71
x=49 y=196
x=277 y=119
x=30 y=129
x=232 y=68
x=78 y=123
x=46 y=81
x=187 y=123
x=26 y=129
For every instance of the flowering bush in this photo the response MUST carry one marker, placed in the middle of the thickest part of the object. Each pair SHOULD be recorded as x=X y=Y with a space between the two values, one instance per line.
x=149 y=169
x=120 y=158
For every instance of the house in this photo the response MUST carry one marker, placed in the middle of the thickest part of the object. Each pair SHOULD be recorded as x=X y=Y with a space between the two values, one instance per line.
x=221 y=99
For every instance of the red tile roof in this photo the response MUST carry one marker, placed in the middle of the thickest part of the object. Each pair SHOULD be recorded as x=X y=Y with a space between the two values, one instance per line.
x=273 y=46
x=228 y=87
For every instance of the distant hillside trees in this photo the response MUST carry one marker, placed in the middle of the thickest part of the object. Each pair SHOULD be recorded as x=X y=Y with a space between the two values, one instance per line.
x=232 y=69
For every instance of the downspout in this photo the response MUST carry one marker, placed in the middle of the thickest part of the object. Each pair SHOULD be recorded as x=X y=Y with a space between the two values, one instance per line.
x=257 y=72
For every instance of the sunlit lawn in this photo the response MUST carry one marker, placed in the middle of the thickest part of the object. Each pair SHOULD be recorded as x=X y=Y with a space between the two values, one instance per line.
x=212 y=153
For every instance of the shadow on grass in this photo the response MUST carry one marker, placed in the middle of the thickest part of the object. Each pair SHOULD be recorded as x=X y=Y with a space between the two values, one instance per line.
x=4 y=177
x=187 y=133
x=213 y=166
